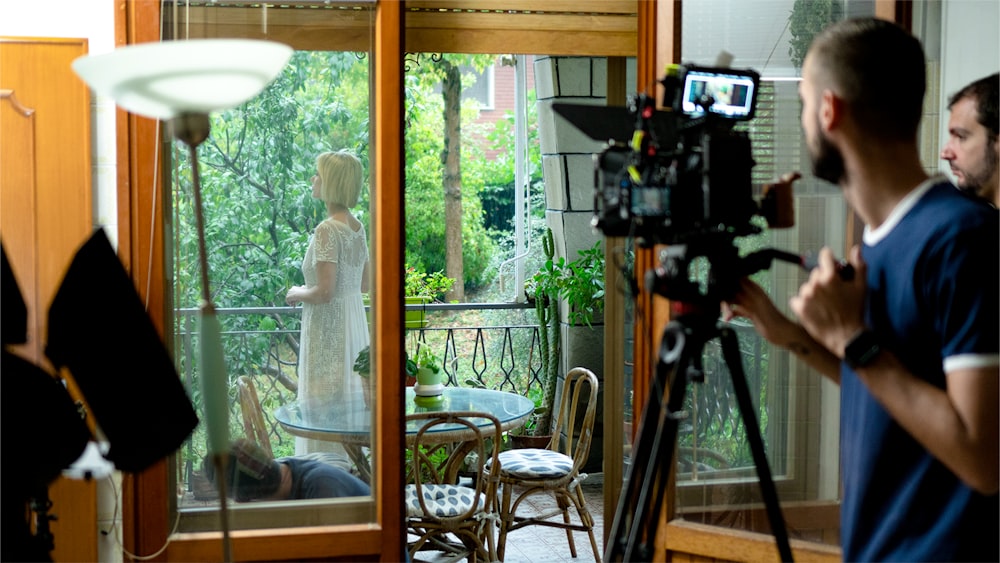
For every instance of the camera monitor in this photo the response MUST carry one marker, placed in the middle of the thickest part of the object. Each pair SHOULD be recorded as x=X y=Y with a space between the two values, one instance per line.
x=734 y=92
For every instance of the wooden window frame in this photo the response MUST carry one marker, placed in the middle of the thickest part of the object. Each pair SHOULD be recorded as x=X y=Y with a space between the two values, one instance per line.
x=623 y=28
x=472 y=26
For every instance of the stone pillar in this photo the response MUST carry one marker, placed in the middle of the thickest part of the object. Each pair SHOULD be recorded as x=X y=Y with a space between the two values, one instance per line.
x=568 y=173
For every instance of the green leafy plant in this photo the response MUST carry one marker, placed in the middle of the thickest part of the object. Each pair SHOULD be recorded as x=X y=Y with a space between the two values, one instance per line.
x=421 y=284
x=536 y=396
x=581 y=284
x=426 y=359
x=363 y=366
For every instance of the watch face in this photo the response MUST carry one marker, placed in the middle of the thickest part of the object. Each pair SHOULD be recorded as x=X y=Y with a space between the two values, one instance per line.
x=862 y=349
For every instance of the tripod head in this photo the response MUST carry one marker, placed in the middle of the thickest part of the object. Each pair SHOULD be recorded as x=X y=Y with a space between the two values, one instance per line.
x=672 y=278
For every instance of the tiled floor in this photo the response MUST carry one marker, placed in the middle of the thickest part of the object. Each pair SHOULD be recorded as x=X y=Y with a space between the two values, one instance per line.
x=542 y=544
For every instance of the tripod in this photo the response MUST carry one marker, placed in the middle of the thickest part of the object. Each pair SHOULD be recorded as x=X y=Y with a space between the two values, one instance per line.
x=680 y=362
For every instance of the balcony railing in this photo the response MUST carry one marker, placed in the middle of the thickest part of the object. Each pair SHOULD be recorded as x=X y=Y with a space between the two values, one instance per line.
x=494 y=345
x=491 y=345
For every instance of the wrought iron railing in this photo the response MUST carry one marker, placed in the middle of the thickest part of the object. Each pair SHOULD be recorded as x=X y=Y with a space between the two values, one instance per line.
x=261 y=343
x=493 y=345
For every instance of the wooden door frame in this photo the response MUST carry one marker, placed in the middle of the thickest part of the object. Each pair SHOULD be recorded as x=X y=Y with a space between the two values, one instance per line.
x=149 y=509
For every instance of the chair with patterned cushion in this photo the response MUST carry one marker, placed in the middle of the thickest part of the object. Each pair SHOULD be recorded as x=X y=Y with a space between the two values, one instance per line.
x=555 y=469
x=445 y=512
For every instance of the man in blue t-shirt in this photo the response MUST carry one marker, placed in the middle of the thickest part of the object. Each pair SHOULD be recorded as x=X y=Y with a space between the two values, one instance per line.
x=912 y=338
x=252 y=475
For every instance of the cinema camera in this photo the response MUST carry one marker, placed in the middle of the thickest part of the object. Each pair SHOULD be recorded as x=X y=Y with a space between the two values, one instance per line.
x=682 y=177
x=685 y=172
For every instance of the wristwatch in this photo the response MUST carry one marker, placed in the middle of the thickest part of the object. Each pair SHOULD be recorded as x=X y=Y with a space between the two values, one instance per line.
x=862 y=349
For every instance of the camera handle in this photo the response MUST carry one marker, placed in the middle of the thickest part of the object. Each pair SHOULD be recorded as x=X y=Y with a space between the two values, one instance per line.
x=638 y=511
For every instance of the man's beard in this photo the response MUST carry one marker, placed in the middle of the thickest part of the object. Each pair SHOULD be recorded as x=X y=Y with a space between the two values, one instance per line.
x=976 y=184
x=827 y=161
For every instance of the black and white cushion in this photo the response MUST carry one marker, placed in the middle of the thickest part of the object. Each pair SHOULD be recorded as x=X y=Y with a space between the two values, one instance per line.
x=532 y=463
x=442 y=500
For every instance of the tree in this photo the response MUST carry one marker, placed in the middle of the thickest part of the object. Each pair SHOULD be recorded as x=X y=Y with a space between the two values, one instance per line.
x=451 y=157
x=808 y=18
x=259 y=212
x=446 y=70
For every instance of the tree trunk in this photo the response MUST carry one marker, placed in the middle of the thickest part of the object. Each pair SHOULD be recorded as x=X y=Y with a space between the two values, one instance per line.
x=451 y=90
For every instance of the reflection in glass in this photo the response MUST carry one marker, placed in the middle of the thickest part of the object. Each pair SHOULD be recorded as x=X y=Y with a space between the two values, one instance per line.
x=796 y=409
x=260 y=216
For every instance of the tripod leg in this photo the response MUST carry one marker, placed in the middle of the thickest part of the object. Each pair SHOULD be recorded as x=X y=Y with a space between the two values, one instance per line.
x=637 y=478
x=653 y=451
x=731 y=353
x=684 y=354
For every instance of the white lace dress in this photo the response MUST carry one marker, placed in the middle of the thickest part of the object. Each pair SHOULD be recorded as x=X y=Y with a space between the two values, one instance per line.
x=332 y=333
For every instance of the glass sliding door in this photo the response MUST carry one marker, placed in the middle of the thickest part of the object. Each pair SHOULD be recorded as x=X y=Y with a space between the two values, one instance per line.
x=266 y=225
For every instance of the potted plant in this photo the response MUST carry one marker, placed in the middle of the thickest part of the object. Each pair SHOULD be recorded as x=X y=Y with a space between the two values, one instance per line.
x=363 y=367
x=420 y=288
x=430 y=378
x=528 y=436
x=580 y=284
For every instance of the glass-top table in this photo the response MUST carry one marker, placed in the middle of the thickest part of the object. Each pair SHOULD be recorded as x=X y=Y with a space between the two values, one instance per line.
x=352 y=426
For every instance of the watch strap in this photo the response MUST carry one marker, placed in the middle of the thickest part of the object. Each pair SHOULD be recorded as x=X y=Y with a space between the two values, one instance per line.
x=862 y=349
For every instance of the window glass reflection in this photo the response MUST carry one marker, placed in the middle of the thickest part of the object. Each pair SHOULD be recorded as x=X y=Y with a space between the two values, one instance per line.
x=286 y=198
x=795 y=407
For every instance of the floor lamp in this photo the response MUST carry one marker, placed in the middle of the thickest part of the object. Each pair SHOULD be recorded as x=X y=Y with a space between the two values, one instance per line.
x=182 y=82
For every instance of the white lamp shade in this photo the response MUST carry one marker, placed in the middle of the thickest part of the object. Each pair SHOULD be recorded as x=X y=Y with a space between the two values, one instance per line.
x=162 y=80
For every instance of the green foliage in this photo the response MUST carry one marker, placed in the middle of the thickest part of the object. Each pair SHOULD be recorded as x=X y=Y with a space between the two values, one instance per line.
x=581 y=284
x=427 y=359
x=255 y=171
x=424 y=147
x=496 y=176
x=425 y=227
x=363 y=367
x=430 y=462
x=363 y=363
x=537 y=396
x=545 y=291
x=422 y=284
x=808 y=18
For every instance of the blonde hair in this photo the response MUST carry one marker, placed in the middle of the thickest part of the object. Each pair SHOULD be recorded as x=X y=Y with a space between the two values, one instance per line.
x=340 y=175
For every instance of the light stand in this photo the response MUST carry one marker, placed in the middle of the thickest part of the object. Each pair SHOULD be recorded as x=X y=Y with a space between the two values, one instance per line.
x=184 y=81
x=192 y=129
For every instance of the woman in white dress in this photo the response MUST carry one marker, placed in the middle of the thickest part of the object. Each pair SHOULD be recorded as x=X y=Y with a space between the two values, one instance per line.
x=334 y=327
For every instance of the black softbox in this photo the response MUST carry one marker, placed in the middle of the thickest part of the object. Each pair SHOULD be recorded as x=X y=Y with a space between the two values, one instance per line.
x=99 y=329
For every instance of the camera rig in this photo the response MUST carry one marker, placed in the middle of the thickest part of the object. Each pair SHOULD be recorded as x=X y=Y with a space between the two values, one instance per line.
x=683 y=179
x=681 y=176
x=684 y=172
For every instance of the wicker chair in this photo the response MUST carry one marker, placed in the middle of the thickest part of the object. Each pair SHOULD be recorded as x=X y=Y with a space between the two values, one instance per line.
x=254 y=427
x=442 y=513
x=554 y=469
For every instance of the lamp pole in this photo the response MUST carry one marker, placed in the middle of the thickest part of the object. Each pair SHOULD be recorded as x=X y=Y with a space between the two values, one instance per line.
x=192 y=129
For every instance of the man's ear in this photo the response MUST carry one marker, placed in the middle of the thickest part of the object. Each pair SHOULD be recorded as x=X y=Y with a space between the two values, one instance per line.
x=831 y=110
